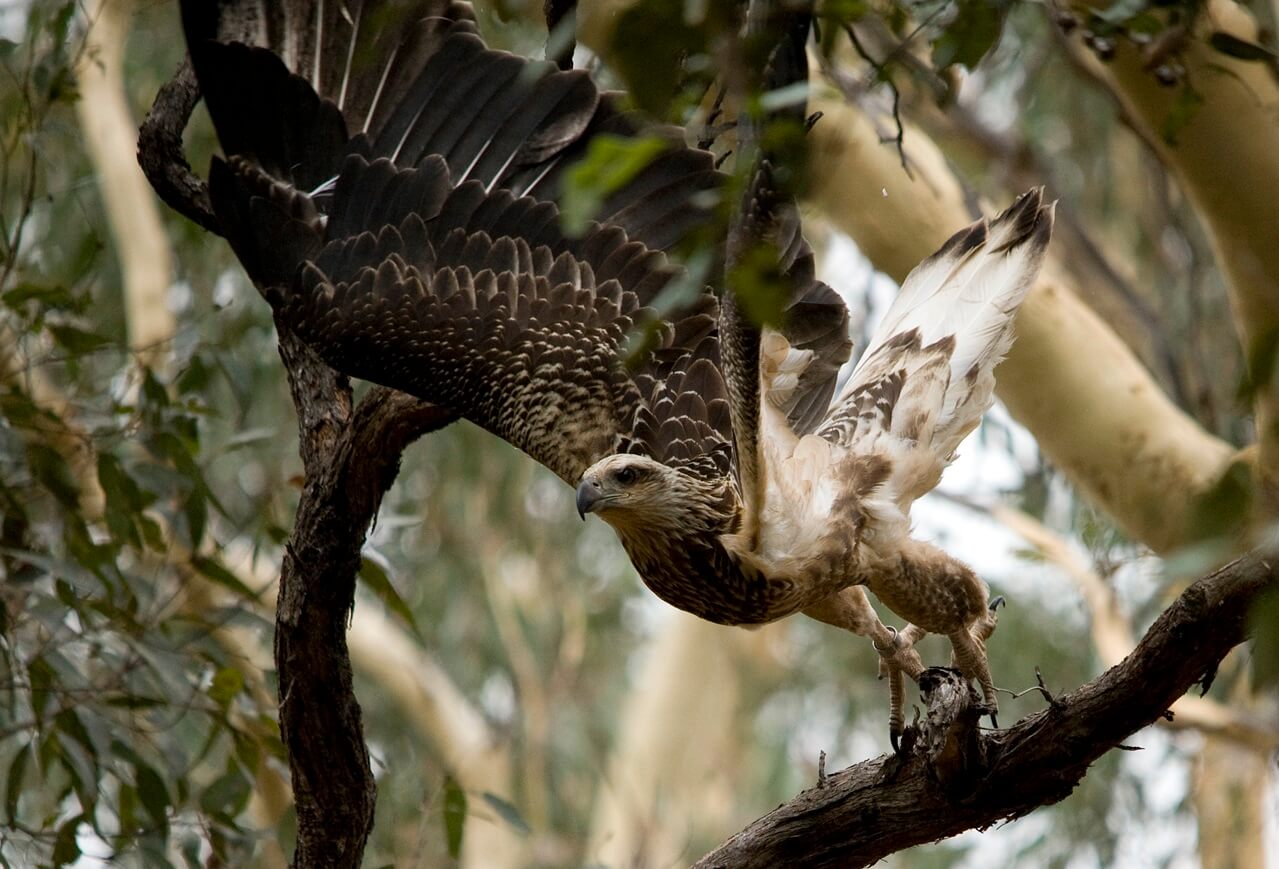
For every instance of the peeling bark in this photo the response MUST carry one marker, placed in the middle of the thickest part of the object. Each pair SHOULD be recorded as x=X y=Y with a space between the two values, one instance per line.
x=953 y=778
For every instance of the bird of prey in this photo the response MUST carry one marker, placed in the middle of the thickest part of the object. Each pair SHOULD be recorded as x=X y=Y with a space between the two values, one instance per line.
x=391 y=185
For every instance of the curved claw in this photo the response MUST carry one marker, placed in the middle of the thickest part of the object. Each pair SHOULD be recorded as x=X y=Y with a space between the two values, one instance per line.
x=996 y=602
x=895 y=737
x=994 y=721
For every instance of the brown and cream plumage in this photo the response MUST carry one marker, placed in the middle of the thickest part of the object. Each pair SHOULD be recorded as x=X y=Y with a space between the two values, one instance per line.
x=391 y=184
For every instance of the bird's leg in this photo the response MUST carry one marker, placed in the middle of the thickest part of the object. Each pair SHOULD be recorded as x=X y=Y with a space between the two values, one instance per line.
x=942 y=595
x=849 y=609
x=969 y=656
x=890 y=669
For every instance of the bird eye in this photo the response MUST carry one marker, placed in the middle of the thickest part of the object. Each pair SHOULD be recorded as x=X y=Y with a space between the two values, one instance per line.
x=624 y=475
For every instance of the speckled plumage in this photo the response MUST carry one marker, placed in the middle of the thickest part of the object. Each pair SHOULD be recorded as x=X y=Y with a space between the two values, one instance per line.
x=392 y=185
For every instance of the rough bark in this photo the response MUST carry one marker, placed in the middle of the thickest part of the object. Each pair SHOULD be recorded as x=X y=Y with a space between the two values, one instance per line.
x=954 y=778
x=160 y=152
x=350 y=460
x=350 y=457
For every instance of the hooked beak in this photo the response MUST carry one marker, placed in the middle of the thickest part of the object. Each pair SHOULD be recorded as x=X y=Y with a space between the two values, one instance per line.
x=588 y=495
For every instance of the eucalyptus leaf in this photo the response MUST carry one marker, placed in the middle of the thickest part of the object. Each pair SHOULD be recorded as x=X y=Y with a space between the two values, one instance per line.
x=454 y=816
x=375 y=578
x=1240 y=49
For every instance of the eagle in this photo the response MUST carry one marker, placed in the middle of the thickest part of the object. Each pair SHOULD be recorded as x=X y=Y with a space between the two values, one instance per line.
x=392 y=185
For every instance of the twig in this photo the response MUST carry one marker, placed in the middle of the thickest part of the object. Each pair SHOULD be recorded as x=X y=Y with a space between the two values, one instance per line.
x=882 y=73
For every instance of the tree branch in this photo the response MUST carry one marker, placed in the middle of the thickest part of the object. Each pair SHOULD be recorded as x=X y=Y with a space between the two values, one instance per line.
x=350 y=458
x=1113 y=635
x=954 y=779
x=1231 y=126
x=160 y=151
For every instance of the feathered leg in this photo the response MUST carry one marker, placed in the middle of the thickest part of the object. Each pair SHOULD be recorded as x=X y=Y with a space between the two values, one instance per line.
x=942 y=596
x=849 y=609
x=969 y=647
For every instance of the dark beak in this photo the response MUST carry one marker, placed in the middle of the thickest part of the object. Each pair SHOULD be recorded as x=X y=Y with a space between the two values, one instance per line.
x=588 y=495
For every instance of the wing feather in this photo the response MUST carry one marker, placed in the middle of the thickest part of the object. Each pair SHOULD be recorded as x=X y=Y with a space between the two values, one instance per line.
x=927 y=374
x=415 y=82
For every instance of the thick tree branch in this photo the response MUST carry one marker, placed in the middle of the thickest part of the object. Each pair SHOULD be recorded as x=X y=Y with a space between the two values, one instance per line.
x=1224 y=155
x=954 y=779
x=160 y=151
x=351 y=458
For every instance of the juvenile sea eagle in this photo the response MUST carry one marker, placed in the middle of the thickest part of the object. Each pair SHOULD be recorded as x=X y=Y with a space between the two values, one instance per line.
x=390 y=183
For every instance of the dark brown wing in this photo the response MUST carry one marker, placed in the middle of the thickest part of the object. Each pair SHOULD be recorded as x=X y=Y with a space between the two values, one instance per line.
x=415 y=85
x=418 y=285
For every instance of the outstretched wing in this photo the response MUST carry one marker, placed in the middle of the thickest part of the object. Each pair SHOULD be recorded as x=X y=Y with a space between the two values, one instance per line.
x=424 y=292
x=472 y=144
x=927 y=375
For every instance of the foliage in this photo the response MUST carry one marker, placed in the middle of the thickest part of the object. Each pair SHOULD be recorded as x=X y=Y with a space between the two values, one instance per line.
x=131 y=724
x=127 y=726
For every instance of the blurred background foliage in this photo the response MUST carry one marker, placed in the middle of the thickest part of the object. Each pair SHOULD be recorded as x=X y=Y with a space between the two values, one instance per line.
x=146 y=491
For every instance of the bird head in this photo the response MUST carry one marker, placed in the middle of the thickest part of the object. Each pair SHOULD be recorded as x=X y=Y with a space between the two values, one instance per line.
x=630 y=492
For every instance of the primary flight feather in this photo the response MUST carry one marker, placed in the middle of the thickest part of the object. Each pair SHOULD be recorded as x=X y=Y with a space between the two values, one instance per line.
x=391 y=184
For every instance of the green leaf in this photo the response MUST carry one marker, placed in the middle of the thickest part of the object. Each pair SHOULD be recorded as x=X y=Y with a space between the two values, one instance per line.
x=195 y=377
x=610 y=163
x=135 y=701
x=227 y=795
x=76 y=340
x=152 y=793
x=47 y=296
x=65 y=848
x=376 y=579
x=651 y=45
x=1239 y=48
x=52 y=472
x=13 y=789
x=226 y=684
x=42 y=679
x=1263 y=361
x=118 y=485
x=454 y=816
x=970 y=35
x=508 y=813
x=1264 y=627
x=211 y=570
x=759 y=285
x=844 y=11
